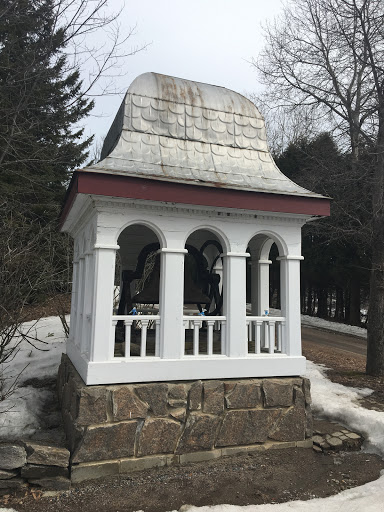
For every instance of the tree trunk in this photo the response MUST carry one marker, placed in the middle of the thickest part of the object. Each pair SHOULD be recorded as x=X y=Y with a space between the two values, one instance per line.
x=339 y=311
x=354 y=311
x=375 y=346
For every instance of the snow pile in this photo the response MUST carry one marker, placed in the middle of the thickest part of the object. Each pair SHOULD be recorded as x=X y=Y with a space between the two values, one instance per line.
x=19 y=414
x=320 y=323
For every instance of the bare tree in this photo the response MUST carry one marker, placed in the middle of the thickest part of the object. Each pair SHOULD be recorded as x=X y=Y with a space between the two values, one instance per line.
x=329 y=54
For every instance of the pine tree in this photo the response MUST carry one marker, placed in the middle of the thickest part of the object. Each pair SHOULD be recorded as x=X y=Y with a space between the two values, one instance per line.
x=40 y=106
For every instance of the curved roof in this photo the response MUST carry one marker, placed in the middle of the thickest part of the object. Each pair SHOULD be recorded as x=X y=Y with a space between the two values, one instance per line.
x=178 y=130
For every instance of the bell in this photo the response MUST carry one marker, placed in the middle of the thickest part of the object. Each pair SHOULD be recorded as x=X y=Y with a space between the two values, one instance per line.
x=150 y=293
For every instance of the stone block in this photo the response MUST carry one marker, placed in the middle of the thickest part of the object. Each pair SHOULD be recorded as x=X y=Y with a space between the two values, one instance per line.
x=280 y=445
x=308 y=421
x=14 y=486
x=298 y=397
x=291 y=426
x=213 y=392
x=244 y=395
x=107 y=442
x=91 y=406
x=158 y=435
x=199 y=433
x=278 y=393
x=199 y=456
x=126 y=405
x=179 y=414
x=307 y=443
x=12 y=456
x=36 y=471
x=177 y=402
x=82 y=472
x=246 y=426
x=39 y=453
x=195 y=396
x=58 y=483
x=177 y=392
x=307 y=391
x=130 y=465
x=6 y=475
x=156 y=396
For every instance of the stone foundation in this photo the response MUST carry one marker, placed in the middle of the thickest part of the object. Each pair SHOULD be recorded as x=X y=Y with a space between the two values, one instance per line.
x=121 y=428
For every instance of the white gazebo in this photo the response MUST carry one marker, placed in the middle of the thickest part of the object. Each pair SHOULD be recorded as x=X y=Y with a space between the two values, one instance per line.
x=185 y=172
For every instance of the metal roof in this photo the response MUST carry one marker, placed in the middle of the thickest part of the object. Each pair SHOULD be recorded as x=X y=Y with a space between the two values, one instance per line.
x=182 y=131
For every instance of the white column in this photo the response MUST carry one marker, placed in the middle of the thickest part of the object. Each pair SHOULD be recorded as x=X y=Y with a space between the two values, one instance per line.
x=72 y=322
x=79 y=302
x=235 y=303
x=171 y=303
x=104 y=276
x=87 y=300
x=290 y=303
x=260 y=286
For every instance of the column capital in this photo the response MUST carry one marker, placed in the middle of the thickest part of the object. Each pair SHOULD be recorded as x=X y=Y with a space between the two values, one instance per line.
x=287 y=258
x=264 y=262
x=172 y=250
x=107 y=246
x=237 y=255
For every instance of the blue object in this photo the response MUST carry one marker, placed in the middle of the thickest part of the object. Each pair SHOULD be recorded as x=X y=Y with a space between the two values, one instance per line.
x=133 y=311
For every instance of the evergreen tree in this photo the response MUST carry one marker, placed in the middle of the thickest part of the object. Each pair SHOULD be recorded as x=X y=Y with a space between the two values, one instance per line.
x=40 y=105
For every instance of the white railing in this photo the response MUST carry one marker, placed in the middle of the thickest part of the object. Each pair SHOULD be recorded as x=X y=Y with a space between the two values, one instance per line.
x=267 y=334
x=146 y=325
x=208 y=335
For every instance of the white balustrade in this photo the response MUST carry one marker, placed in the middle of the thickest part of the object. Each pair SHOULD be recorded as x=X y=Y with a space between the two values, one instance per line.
x=267 y=334
x=209 y=325
x=145 y=324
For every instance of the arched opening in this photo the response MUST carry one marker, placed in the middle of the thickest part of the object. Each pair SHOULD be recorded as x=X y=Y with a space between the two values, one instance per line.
x=136 y=296
x=203 y=293
x=264 y=293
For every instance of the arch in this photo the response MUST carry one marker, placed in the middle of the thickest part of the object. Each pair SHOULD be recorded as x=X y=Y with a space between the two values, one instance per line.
x=261 y=240
x=150 y=225
x=216 y=231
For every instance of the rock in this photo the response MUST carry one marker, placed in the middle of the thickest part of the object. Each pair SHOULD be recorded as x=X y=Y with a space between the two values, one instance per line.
x=14 y=486
x=58 y=483
x=126 y=405
x=334 y=442
x=177 y=402
x=49 y=455
x=317 y=449
x=36 y=471
x=352 y=435
x=317 y=440
x=195 y=396
x=213 y=392
x=291 y=426
x=156 y=397
x=6 y=475
x=199 y=433
x=307 y=391
x=177 y=392
x=308 y=422
x=12 y=456
x=54 y=437
x=246 y=427
x=179 y=414
x=298 y=397
x=244 y=395
x=91 y=406
x=107 y=442
x=277 y=393
x=158 y=435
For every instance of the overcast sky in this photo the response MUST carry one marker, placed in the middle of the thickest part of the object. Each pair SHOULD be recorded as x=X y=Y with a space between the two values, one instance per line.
x=209 y=41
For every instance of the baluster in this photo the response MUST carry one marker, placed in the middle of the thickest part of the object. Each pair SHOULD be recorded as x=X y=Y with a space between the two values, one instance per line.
x=259 y=325
x=210 y=324
x=143 y=347
x=278 y=325
x=222 y=338
x=128 y=325
x=157 y=337
x=271 y=328
x=250 y=333
x=266 y=334
x=112 y=340
x=196 y=334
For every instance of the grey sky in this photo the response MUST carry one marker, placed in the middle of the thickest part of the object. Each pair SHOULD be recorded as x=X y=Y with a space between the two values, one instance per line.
x=207 y=41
